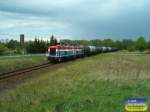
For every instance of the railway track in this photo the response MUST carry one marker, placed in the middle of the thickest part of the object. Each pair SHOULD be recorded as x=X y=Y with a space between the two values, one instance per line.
x=22 y=71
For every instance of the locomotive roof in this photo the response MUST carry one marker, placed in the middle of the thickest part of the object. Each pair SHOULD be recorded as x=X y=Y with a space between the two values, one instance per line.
x=63 y=47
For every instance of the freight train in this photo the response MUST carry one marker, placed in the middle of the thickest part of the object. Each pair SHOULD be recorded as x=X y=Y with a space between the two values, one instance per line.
x=62 y=53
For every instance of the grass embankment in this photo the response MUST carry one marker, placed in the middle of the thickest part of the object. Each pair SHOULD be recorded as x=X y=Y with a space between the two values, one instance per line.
x=13 y=63
x=96 y=84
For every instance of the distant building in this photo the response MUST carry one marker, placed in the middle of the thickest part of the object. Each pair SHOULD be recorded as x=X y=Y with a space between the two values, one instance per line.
x=22 y=40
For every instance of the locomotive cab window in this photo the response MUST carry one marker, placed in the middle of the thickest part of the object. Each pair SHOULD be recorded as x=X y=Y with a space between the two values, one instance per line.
x=52 y=51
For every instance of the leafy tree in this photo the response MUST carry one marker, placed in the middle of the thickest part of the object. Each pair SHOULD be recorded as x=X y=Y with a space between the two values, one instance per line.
x=12 y=44
x=148 y=45
x=96 y=42
x=19 y=50
x=131 y=48
x=53 y=41
x=118 y=44
x=36 y=46
x=3 y=49
x=67 y=42
x=108 y=43
x=127 y=43
x=140 y=44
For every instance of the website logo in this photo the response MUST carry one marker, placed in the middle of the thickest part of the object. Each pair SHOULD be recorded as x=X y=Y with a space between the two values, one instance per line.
x=136 y=105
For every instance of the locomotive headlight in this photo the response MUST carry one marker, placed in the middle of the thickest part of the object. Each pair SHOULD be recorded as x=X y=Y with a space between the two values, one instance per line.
x=48 y=50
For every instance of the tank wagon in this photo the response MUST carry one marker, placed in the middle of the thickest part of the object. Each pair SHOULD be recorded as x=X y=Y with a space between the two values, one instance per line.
x=62 y=53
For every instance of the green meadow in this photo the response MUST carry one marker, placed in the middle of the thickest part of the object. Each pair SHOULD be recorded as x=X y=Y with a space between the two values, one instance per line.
x=17 y=62
x=99 y=83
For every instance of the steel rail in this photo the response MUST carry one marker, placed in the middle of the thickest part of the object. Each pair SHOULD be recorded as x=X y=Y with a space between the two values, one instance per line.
x=22 y=71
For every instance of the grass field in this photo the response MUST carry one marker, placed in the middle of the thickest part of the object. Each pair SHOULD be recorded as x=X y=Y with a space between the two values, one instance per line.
x=13 y=63
x=96 y=84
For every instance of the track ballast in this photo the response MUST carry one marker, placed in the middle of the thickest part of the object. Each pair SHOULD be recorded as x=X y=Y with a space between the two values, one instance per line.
x=22 y=71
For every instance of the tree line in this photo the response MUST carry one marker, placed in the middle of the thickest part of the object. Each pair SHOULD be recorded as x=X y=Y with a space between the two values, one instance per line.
x=40 y=46
x=12 y=47
x=127 y=44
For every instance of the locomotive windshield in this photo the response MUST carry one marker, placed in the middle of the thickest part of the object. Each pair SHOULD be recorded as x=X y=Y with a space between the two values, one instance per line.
x=53 y=51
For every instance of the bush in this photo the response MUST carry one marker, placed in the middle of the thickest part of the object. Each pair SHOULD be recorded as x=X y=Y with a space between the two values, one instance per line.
x=3 y=50
x=131 y=48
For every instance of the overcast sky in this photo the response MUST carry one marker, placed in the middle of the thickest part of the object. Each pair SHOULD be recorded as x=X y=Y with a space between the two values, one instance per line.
x=75 y=19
